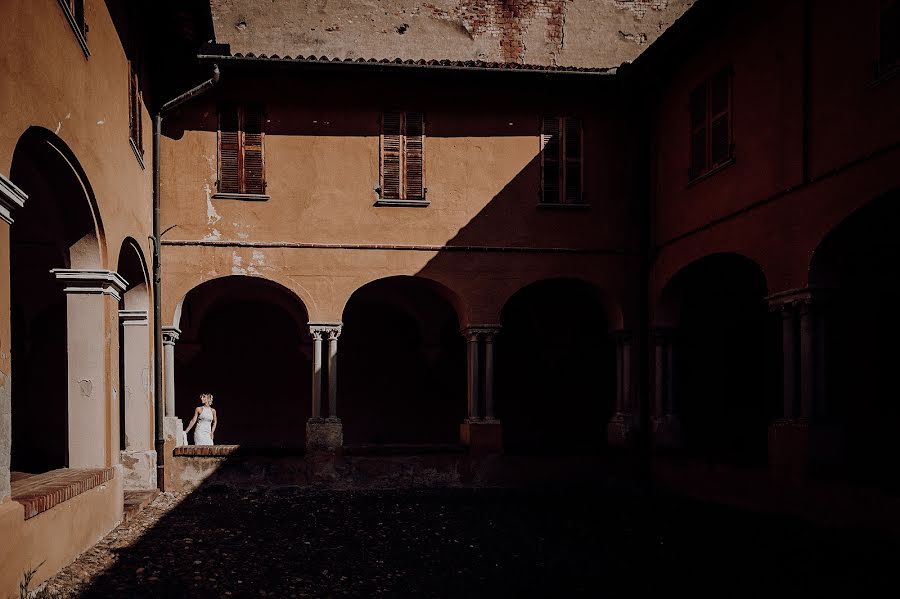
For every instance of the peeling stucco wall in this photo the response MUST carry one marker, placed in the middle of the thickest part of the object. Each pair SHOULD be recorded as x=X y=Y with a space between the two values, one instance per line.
x=582 y=33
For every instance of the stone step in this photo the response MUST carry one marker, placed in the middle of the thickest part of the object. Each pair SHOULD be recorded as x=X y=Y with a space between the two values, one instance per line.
x=135 y=501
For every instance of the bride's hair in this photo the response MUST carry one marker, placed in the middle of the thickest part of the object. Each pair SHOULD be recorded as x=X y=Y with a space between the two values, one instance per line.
x=206 y=395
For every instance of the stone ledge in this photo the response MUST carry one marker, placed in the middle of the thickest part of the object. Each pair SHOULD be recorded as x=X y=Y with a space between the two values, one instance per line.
x=41 y=492
x=206 y=450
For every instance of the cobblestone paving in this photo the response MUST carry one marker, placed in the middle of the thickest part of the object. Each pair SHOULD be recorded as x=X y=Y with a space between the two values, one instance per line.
x=466 y=543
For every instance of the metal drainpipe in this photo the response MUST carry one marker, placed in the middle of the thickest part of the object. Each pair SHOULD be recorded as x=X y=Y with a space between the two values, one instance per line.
x=157 y=272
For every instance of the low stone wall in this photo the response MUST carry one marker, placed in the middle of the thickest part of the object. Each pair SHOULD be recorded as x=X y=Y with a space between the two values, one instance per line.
x=55 y=536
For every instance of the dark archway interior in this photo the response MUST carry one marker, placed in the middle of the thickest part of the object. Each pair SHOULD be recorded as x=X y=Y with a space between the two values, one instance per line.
x=555 y=370
x=244 y=340
x=857 y=264
x=56 y=215
x=402 y=365
x=728 y=360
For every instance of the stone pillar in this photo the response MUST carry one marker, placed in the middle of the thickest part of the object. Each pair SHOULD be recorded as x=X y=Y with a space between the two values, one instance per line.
x=666 y=423
x=138 y=456
x=11 y=199
x=480 y=434
x=802 y=437
x=170 y=335
x=623 y=424
x=324 y=435
x=333 y=334
x=92 y=307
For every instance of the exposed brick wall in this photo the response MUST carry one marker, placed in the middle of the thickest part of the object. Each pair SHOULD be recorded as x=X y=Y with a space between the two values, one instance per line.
x=508 y=20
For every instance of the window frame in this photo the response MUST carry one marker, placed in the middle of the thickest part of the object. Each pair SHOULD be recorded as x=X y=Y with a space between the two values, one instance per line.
x=706 y=126
x=135 y=111
x=240 y=111
x=886 y=67
x=403 y=198
x=79 y=28
x=563 y=161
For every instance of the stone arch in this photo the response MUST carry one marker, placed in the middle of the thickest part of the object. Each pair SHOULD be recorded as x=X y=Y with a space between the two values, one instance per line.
x=556 y=376
x=611 y=307
x=722 y=358
x=855 y=280
x=245 y=339
x=402 y=363
x=58 y=228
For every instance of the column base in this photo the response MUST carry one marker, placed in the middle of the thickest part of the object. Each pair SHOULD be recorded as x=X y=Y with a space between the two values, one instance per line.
x=139 y=469
x=173 y=430
x=620 y=431
x=174 y=435
x=482 y=436
x=795 y=447
x=324 y=435
x=667 y=433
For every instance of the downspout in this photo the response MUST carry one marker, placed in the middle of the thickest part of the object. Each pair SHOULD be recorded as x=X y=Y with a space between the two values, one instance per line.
x=159 y=404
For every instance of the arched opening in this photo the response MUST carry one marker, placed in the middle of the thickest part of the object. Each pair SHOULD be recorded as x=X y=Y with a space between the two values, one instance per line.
x=555 y=379
x=245 y=340
x=402 y=364
x=857 y=264
x=135 y=400
x=727 y=358
x=55 y=229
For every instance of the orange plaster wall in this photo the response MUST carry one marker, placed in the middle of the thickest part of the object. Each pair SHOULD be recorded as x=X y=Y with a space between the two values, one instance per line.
x=55 y=537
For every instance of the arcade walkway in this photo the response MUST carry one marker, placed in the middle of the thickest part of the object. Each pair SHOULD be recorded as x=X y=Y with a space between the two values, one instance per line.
x=585 y=542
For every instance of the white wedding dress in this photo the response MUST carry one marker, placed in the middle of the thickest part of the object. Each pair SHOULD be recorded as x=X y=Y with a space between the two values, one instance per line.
x=203 y=431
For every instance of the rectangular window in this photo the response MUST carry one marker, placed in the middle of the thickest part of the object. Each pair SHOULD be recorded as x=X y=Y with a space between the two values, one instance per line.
x=74 y=10
x=889 y=35
x=241 y=157
x=403 y=156
x=711 y=135
x=135 y=109
x=561 y=159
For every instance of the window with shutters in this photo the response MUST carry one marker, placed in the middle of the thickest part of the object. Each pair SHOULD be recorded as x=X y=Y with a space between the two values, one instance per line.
x=241 y=157
x=710 y=114
x=889 y=36
x=135 y=111
x=402 y=156
x=561 y=160
x=74 y=10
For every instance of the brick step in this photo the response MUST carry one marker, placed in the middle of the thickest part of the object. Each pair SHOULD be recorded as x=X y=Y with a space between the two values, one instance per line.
x=135 y=501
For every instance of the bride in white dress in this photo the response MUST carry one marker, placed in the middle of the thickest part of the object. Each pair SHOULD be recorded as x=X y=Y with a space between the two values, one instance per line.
x=205 y=419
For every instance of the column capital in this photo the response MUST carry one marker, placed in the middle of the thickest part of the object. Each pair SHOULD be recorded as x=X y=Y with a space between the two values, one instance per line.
x=11 y=199
x=663 y=333
x=474 y=331
x=170 y=335
x=794 y=298
x=133 y=318
x=91 y=281
x=331 y=330
x=621 y=336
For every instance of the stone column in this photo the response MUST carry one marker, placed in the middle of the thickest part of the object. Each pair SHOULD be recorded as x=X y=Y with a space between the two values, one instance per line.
x=666 y=423
x=333 y=334
x=92 y=302
x=170 y=335
x=11 y=199
x=801 y=435
x=480 y=434
x=138 y=455
x=324 y=435
x=622 y=426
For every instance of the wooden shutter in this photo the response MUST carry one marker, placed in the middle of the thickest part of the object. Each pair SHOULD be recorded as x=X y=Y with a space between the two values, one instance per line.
x=77 y=8
x=229 y=151
x=551 y=148
x=572 y=172
x=414 y=156
x=391 y=153
x=135 y=108
x=699 y=119
x=253 y=165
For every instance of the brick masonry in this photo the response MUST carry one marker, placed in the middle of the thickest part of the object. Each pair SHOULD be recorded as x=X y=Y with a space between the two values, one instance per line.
x=41 y=492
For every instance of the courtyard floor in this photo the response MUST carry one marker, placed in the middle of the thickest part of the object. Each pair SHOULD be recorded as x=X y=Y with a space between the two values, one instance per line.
x=571 y=542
